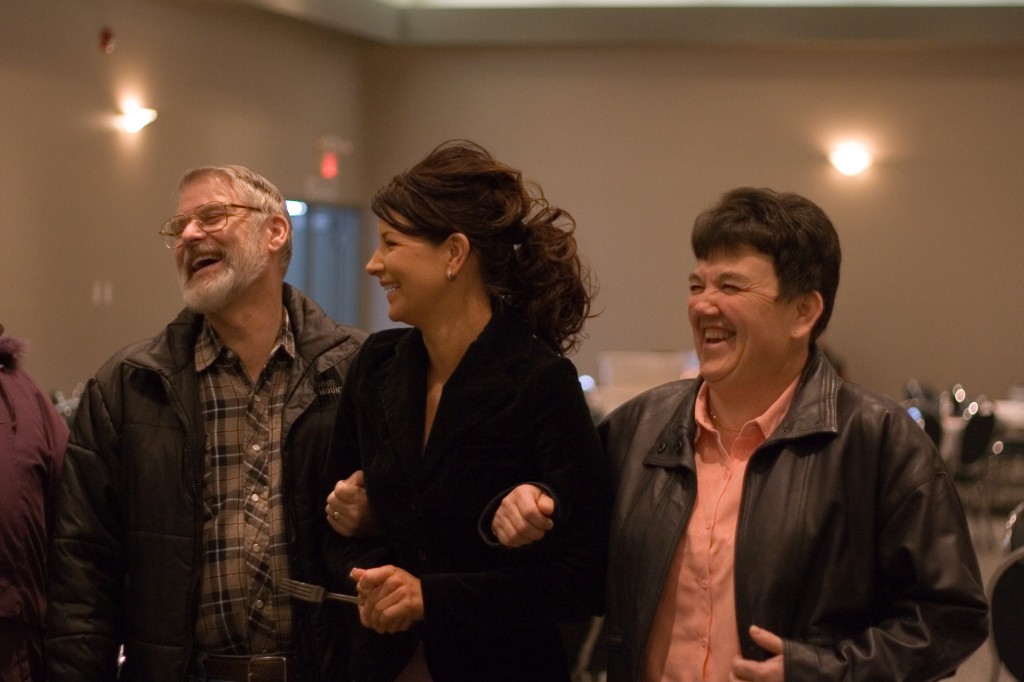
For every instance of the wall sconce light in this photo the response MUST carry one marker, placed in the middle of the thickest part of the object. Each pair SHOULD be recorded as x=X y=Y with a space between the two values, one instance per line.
x=134 y=117
x=850 y=158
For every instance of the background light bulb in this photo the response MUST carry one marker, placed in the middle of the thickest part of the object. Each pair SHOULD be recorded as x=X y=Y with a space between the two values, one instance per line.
x=134 y=117
x=850 y=158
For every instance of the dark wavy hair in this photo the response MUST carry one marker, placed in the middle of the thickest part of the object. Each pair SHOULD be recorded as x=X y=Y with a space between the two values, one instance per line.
x=790 y=229
x=525 y=246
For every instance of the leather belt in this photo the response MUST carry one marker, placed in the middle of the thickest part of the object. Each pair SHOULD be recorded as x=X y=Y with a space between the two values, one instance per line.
x=268 y=668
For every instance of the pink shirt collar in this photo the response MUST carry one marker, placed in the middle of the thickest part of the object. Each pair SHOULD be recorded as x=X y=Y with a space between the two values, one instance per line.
x=765 y=424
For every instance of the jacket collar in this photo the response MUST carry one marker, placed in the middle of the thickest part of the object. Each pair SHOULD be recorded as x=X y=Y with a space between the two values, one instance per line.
x=479 y=385
x=502 y=343
x=173 y=350
x=674 y=445
x=813 y=411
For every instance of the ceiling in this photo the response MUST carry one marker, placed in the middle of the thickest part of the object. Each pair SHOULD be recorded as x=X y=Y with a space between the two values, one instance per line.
x=613 y=22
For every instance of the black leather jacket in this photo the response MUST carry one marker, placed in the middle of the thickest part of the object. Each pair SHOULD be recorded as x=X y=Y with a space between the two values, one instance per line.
x=127 y=550
x=851 y=541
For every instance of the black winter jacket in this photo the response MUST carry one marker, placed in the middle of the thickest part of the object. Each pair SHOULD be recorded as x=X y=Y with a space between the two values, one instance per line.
x=127 y=550
x=851 y=542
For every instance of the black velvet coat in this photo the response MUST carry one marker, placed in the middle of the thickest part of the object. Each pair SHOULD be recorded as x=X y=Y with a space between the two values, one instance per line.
x=512 y=412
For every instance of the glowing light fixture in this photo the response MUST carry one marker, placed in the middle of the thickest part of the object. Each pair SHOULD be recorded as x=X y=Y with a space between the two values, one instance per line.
x=135 y=117
x=850 y=158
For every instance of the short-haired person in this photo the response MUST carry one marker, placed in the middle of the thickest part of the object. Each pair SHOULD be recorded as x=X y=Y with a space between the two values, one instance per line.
x=443 y=416
x=771 y=520
x=189 y=488
x=33 y=437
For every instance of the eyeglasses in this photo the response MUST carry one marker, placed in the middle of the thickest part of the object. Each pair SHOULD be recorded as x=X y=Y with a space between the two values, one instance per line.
x=210 y=217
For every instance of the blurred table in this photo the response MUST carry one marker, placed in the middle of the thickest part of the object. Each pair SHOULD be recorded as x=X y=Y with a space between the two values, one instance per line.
x=1010 y=414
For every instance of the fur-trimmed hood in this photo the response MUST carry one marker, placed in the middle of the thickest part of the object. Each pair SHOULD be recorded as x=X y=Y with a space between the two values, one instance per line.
x=11 y=350
x=10 y=354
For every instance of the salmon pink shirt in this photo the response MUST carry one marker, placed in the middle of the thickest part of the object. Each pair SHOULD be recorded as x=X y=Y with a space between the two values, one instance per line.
x=694 y=635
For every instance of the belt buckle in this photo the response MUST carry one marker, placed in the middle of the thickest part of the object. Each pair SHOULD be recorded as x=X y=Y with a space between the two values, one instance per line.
x=250 y=676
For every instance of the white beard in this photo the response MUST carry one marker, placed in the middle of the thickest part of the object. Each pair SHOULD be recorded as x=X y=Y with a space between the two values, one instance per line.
x=241 y=268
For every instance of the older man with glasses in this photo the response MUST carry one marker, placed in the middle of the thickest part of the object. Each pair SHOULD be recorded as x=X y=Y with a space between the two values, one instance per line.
x=191 y=485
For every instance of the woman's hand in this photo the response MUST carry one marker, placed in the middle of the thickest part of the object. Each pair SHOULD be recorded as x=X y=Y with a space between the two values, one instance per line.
x=524 y=516
x=348 y=509
x=391 y=599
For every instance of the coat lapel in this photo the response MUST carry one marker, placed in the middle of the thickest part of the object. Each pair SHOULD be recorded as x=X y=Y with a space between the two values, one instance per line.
x=478 y=388
x=476 y=391
x=481 y=384
x=400 y=385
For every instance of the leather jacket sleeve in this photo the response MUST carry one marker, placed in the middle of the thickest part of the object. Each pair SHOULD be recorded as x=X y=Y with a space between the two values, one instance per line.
x=931 y=609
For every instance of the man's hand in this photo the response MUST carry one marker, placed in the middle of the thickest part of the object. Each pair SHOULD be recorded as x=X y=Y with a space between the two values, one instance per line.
x=772 y=670
x=348 y=510
x=391 y=599
x=524 y=516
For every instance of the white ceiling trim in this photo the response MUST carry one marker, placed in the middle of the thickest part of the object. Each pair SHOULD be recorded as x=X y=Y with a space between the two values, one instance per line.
x=612 y=22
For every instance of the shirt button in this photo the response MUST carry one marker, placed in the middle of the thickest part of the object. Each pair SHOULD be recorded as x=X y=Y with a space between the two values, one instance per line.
x=256 y=547
x=257 y=399
x=256 y=447
x=703 y=584
x=704 y=642
x=259 y=604
x=255 y=497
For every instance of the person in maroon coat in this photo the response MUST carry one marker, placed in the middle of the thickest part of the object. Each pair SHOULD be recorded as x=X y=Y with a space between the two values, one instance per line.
x=32 y=441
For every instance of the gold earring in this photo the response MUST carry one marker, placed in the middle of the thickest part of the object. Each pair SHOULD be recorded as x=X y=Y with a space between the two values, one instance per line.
x=451 y=275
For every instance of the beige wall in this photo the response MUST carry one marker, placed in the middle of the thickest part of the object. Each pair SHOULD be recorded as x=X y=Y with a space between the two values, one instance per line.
x=633 y=141
x=82 y=201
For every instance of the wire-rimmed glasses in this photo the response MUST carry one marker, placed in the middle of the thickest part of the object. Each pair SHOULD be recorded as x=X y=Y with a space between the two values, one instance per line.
x=211 y=217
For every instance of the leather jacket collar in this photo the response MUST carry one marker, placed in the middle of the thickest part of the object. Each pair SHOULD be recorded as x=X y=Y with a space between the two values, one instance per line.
x=813 y=411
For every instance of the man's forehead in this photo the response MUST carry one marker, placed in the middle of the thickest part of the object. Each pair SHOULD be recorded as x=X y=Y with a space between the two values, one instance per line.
x=204 y=189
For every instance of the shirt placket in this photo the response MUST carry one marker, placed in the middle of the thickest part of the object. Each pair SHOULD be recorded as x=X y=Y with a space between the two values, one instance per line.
x=258 y=507
x=714 y=488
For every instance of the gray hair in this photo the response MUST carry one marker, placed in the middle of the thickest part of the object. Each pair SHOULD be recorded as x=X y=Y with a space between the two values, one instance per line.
x=254 y=188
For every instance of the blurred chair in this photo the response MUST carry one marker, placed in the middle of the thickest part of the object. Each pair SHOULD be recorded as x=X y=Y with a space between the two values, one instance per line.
x=1014 y=536
x=975 y=445
x=918 y=392
x=932 y=426
x=924 y=406
x=973 y=472
x=1006 y=603
x=592 y=654
x=1008 y=466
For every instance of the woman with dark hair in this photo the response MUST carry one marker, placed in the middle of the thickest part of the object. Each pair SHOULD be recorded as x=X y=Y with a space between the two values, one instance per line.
x=441 y=418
